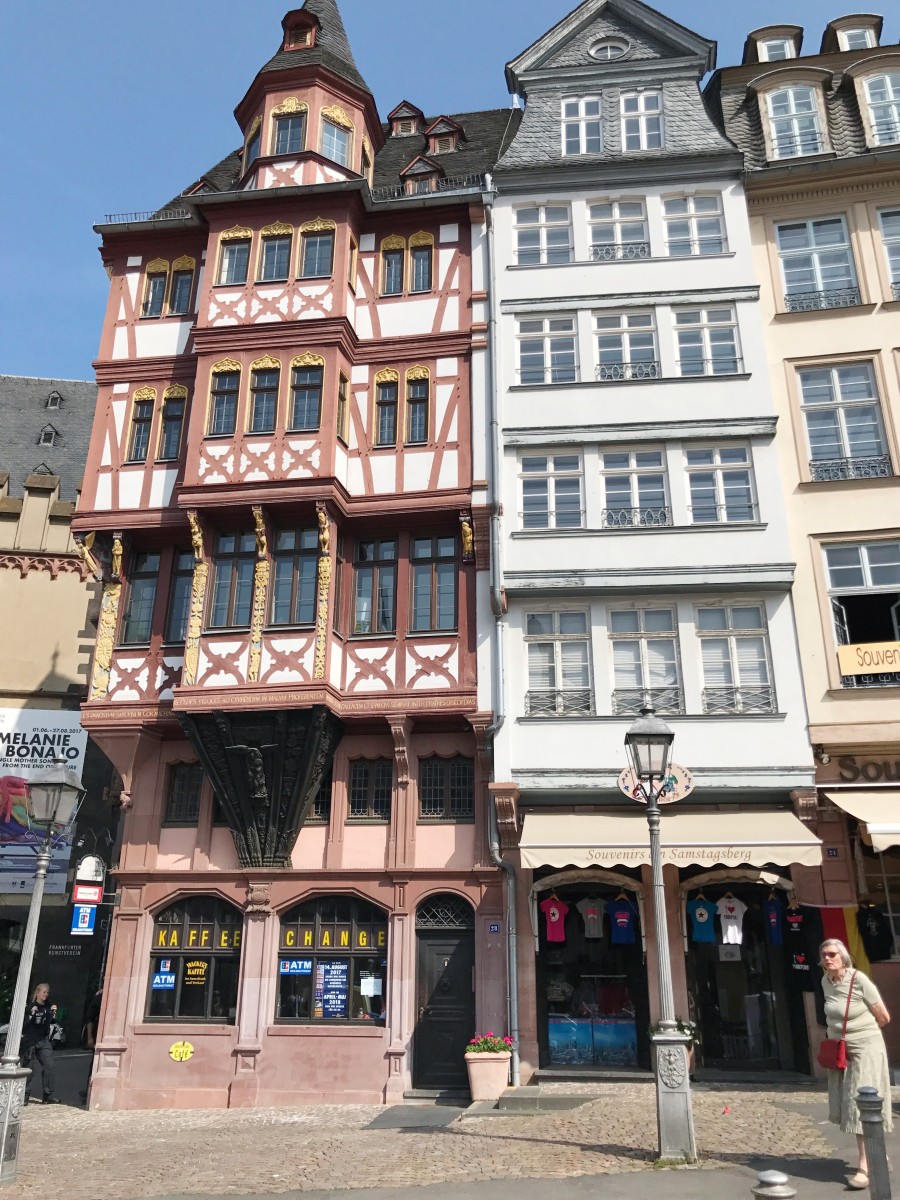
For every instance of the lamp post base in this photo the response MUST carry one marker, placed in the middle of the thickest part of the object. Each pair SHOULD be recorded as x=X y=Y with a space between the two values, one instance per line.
x=674 y=1120
x=13 y=1082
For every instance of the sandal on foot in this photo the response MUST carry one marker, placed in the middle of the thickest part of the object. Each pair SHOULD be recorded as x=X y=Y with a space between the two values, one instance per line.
x=858 y=1182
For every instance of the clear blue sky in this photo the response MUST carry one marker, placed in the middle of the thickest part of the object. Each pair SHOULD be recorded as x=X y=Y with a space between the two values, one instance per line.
x=115 y=106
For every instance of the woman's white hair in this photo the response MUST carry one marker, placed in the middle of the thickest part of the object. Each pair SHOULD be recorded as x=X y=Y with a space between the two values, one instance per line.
x=842 y=950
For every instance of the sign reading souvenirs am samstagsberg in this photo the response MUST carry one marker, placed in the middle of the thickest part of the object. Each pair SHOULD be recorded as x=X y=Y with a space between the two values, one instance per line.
x=30 y=740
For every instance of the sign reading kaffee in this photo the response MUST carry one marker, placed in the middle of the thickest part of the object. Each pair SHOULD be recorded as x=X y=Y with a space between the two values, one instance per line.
x=867 y=657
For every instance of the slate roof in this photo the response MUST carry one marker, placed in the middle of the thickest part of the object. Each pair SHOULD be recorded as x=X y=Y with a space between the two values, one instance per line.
x=24 y=414
x=332 y=48
x=487 y=136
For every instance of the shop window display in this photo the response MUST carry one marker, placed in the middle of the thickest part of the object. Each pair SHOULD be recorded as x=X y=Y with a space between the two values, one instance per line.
x=592 y=990
x=332 y=962
x=195 y=961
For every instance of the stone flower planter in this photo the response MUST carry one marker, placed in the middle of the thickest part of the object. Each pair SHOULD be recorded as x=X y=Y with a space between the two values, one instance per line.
x=488 y=1075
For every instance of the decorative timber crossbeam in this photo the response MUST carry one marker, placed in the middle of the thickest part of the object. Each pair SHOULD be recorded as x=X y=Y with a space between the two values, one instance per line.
x=265 y=769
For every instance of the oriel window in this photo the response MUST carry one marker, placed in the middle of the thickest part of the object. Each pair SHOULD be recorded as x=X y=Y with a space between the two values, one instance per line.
x=172 y=422
x=232 y=598
x=264 y=400
x=295 y=571
x=386 y=414
x=392 y=284
x=143 y=578
x=155 y=294
x=306 y=398
x=180 y=297
x=416 y=411
x=375 y=572
x=141 y=420
x=290 y=134
x=421 y=268
x=235 y=262
x=223 y=402
x=180 y=597
x=275 y=262
x=318 y=255
x=434 y=576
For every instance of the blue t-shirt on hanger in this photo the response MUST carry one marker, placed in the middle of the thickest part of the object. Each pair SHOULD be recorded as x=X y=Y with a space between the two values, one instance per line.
x=774 y=911
x=703 y=926
x=622 y=922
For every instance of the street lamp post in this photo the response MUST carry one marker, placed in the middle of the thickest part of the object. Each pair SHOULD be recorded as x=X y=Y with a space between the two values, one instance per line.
x=53 y=796
x=649 y=746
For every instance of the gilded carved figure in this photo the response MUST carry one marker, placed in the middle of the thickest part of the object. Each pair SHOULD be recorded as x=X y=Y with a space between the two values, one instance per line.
x=468 y=539
x=115 y=569
x=324 y=532
x=262 y=544
x=106 y=635
x=196 y=536
x=195 y=620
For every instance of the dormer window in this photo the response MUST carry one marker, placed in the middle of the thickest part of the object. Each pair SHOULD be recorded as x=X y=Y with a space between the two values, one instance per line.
x=883 y=97
x=405 y=128
x=48 y=436
x=445 y=144
x=54 y=400
x=299 y=29
x=794 y=128
x=776 y=50
x=856 y=39
x=297 y=39
x=406 y=120
x=444 y=136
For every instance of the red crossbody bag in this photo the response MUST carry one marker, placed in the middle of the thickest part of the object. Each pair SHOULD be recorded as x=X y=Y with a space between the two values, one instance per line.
x=833 y=1051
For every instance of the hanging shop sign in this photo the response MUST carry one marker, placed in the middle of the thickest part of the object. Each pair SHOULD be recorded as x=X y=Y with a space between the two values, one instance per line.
x=91 y=869
x=87 y=893
x=31 y=739
x=869 y=657
x=678 y=786
x=83 y=918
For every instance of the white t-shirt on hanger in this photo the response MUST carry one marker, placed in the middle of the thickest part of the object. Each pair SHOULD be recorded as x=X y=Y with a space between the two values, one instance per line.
x=731 y=914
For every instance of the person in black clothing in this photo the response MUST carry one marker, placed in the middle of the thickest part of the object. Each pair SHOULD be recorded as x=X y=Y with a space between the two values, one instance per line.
x=39 y=1016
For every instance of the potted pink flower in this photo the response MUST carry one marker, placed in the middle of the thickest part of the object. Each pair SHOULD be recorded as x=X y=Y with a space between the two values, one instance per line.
x=487 y=1061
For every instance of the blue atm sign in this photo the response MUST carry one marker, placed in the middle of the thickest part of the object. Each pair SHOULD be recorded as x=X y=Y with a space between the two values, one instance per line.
x=83 y=918
x=295 y=966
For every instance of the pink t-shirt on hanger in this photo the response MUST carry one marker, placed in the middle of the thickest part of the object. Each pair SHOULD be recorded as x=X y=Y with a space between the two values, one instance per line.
x=555 y=911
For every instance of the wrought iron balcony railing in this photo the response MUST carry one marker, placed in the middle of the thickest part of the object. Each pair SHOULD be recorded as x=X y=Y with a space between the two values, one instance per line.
x=616 y=372
x=887 y=132
x=895 y=290
x=827 y=470
x=455 y=183
x=644 y=517
x=628 y=702
x=157 y=214
x=615 y=251
x=724 y=364
x=732 y=513
x=559 y=702
x=870 y=681
x=743 y=700
x=847 y=297
x=799 y=146
x=677 y=247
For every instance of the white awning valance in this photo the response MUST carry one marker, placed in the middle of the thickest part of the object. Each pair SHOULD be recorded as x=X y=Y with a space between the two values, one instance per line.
x=878 y=808
x=560 y=839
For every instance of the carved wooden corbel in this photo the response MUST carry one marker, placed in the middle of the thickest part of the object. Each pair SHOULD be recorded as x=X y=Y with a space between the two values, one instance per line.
x=401 y=731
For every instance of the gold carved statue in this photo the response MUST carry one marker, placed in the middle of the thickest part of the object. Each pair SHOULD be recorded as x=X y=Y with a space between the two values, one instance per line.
x=468 y=539
x=262 y=543
x=196 y=536
x=324 y=532
x=116 y=564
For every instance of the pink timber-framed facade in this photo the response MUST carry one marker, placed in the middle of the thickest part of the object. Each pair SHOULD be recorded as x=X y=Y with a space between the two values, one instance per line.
x=281 y=496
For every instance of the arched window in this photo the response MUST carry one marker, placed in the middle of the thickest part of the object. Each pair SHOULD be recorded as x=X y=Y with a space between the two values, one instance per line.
x=195 y=961
x=794 y=127
x=332 y=962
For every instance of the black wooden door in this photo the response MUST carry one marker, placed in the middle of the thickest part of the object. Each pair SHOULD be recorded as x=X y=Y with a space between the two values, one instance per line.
x=445 y=1004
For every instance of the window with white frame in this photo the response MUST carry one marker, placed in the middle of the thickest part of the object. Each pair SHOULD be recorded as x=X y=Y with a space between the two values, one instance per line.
x=694 y=225
x=547 y=350
x=559 y=664
x=608 y=49
x=645 y=661
x=776 y=50
x=720 y=484
x=856 y=39
x=634 y=489
x=817 y=264
x=618 y=230
x=626 y=346
x=707 y=341
x=734 y=650
x=883 y=96
x=551 y=491
x=864 y=590
x=543 y=234
x=843 y=422
x=642 y=121
x=890 y=236
x=582 y=125
x=793 y=115
x=336 y=143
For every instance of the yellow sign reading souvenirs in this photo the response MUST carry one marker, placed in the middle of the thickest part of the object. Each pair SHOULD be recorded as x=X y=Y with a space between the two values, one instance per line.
x=181 y=1051
x=870 y=658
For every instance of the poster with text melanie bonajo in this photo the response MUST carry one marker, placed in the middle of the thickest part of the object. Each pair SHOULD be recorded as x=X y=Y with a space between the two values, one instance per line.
x=30 y=740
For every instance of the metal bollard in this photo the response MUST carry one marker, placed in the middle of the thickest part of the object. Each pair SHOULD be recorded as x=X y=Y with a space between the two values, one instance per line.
x=871 y=1114
x=774 y=1186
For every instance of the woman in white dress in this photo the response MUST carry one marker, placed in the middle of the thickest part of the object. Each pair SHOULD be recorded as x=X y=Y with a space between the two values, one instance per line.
x=867 y=1060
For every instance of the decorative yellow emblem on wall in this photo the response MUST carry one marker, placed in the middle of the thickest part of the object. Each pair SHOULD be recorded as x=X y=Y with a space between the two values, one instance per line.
x=181 y=1052
x=260 y=595
x=335 y=113
x=324 y=573
x=195 y=611
x=106 y=640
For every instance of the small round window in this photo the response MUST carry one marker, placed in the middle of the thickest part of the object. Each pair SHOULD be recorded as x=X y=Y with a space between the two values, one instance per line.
x=608 y=49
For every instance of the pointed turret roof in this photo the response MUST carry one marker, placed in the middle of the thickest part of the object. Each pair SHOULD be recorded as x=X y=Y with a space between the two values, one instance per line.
x=332 y=48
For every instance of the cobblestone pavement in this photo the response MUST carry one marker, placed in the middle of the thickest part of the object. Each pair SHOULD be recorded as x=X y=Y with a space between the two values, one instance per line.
x=69 y=1154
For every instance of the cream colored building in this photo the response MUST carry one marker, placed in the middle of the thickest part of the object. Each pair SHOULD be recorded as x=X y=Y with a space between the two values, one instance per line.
x=821 y=137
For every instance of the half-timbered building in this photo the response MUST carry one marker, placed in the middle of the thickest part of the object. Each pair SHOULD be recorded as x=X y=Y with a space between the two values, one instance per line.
x=281 y=489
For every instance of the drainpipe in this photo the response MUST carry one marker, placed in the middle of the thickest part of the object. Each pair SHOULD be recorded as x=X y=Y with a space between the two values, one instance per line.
x=497 y=604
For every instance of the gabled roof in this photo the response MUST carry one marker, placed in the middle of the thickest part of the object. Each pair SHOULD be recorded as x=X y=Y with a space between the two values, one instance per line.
x=422 y=165
x=445 y=125
x=683 y=41
x=24 y=416
x=405 y=109
x=332 y=48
